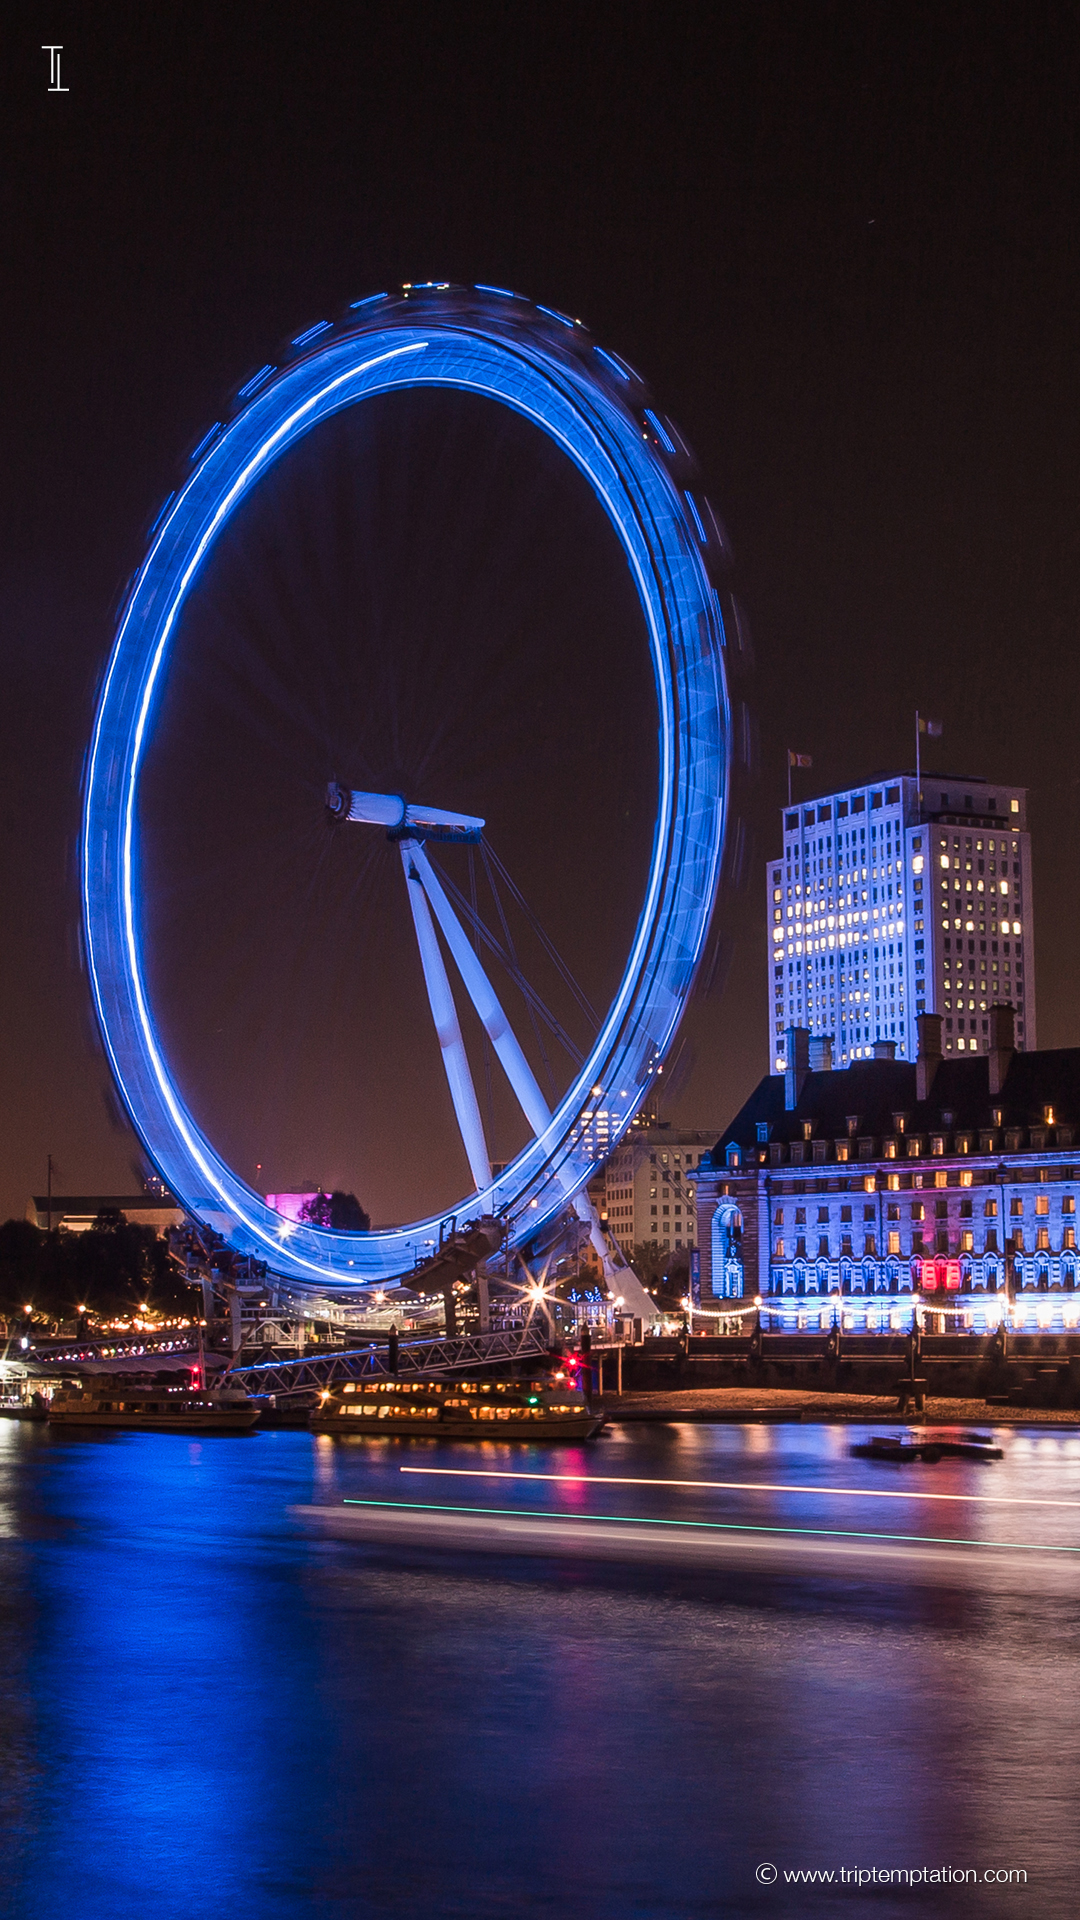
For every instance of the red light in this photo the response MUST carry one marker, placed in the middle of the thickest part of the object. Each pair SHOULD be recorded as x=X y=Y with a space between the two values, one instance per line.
x=940 y=1276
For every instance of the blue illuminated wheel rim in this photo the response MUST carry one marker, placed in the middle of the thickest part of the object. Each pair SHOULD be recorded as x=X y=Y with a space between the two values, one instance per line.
x=595 y=409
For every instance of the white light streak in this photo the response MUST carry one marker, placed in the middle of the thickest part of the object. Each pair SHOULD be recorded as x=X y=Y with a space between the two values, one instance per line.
x=743 y=1486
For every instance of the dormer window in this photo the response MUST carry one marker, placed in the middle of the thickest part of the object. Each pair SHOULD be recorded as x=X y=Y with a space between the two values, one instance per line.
x=807 y=1129
x=997 y=1115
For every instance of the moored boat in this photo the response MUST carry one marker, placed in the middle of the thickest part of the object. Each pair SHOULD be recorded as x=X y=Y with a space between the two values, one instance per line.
x=901 y=1449
x=443 y=1409
x=113 y=1401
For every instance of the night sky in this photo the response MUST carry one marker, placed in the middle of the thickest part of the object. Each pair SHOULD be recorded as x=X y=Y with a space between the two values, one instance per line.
x=840 y=241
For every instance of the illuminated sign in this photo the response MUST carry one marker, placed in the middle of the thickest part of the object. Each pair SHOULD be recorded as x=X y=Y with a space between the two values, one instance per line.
x=938 y=1275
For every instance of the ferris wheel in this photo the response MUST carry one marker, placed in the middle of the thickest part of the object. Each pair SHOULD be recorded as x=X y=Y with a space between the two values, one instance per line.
x=594 y=409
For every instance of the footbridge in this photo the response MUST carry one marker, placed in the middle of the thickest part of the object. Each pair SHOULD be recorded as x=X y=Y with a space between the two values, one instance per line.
x=299 y=1378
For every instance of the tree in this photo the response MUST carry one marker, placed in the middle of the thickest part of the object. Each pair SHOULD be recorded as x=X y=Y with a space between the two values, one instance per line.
x=115 y=1267
x=648 y=1262
x=20 y=1264
x=664 y=1273
x=340 y=1211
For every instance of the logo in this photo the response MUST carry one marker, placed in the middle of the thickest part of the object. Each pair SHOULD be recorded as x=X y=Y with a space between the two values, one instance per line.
x=54 y=69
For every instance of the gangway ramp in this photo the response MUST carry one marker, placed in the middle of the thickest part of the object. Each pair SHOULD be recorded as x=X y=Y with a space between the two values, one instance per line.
x=292 y=1379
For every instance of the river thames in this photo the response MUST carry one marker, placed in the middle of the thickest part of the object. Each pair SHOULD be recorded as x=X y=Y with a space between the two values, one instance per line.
x=215 y=1707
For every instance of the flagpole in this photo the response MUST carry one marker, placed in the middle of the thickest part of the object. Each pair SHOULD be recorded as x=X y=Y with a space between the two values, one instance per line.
x=789 y=776
x=918 y=764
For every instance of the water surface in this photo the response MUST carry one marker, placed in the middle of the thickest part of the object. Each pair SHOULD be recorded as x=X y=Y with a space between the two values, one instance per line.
x=210 y=1709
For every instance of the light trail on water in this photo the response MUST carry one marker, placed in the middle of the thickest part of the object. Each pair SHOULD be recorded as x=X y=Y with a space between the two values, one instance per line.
x=741 y=1486
x=697 y=1527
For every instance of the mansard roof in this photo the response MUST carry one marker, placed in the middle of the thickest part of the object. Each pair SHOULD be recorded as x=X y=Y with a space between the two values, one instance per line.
x=875 y=1090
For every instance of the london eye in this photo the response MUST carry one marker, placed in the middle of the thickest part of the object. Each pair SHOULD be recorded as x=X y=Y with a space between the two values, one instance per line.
x=312 y=797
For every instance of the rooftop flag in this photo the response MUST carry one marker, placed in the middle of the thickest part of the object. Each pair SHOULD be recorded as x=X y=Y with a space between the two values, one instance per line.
x=796 y=760
x=933 y=730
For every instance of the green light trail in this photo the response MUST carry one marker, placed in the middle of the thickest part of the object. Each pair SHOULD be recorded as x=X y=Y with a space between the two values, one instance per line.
x=710 y=1526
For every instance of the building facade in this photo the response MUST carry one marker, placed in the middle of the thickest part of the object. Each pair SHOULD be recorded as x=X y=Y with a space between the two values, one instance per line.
x=883 y=907
x=850 y=1196
x=76 y=1213
x=650 y=1187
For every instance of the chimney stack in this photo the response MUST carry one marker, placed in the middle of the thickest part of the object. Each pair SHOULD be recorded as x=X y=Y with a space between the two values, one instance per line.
x=929 y=1056
x=1002 y=1046
x=821 y=1053
x=884 y=1049
x=796 y=1072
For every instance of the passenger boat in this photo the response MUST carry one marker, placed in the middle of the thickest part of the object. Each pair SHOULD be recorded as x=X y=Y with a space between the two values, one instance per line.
x=902 y=1449
x=113 y=1401
x=458 y=1409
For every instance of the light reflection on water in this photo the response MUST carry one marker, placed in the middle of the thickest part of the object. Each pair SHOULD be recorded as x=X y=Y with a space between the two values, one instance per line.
x=209 y=1711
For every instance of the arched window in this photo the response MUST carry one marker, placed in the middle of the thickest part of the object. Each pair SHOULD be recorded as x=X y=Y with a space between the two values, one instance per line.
x=725 y=1246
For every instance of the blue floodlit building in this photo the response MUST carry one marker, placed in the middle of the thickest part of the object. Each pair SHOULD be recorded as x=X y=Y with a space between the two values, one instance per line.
x=847 y=1197
x=883 y=906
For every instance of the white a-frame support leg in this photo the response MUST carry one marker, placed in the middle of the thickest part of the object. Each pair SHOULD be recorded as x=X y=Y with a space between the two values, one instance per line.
x=499 y=1032
x=444 y=1014
x=482 y=994
x=422 y=880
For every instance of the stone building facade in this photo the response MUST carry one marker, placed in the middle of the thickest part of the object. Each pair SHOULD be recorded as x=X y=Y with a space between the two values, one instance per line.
x=853 y=1193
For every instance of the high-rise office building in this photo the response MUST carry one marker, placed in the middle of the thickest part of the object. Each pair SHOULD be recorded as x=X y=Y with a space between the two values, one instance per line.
x=884 y=905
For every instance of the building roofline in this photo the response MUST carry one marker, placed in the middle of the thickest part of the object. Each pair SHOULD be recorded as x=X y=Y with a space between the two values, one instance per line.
x=880 y=776
x=100 y=1203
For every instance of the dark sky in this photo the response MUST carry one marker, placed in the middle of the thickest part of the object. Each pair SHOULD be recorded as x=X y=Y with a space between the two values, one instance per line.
x=840 y=240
